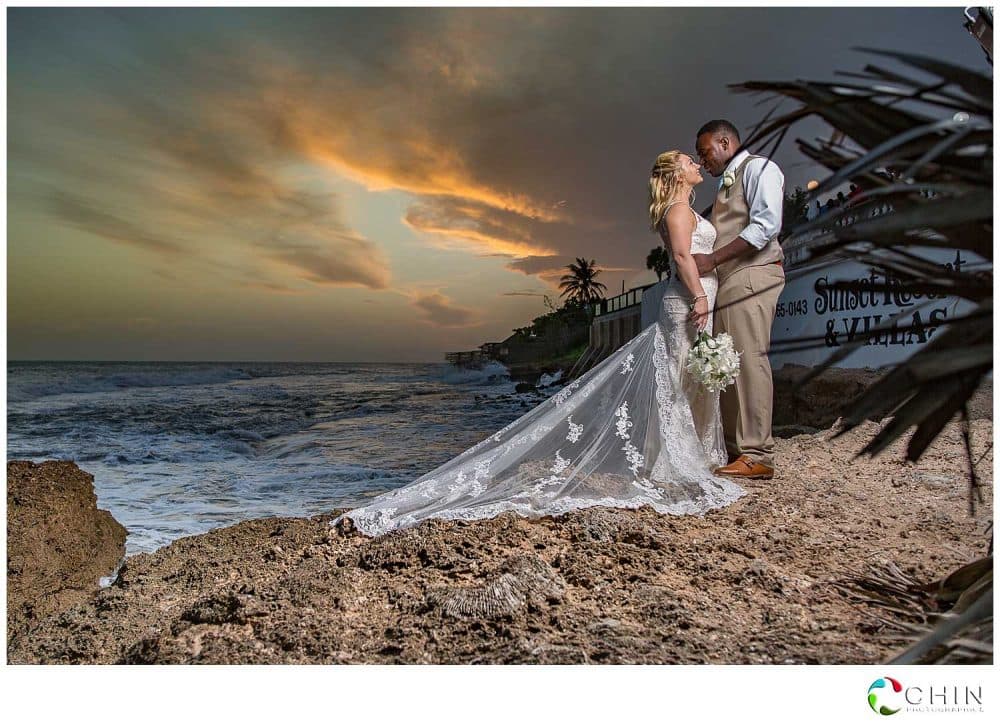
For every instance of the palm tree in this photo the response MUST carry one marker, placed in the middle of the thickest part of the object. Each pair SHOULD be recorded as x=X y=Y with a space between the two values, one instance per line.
x=658 y=260
x=580 y=284
x=794 y=209
x=923 y=150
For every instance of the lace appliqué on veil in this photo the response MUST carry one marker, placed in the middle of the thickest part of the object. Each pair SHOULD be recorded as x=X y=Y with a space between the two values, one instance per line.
x=650 y=438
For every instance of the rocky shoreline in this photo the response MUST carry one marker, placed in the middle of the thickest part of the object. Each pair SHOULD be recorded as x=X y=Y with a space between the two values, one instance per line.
x=59 y=544
x=756 y=582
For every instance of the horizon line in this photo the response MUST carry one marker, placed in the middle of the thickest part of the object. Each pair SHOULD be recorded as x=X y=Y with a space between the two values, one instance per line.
x=312 y=362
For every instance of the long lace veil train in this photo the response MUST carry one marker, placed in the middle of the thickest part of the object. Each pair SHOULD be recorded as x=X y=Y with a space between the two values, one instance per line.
x=633 y=431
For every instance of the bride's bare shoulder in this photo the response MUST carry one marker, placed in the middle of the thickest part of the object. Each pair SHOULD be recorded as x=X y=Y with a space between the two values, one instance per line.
x=681 y=217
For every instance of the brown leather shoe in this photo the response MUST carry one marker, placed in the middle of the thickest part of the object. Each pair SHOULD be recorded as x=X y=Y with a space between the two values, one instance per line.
x=746 y=467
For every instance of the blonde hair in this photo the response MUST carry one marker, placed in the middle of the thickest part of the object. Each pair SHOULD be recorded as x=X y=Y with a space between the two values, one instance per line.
x=664 y=181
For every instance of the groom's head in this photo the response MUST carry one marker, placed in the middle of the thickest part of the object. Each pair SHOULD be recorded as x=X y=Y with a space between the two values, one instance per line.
x=717 y=142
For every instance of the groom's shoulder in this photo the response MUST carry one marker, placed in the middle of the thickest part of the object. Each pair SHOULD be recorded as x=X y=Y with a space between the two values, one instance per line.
x=759 y=164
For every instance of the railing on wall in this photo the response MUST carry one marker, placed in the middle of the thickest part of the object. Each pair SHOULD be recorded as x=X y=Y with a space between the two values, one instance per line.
x=620 y=302
x=465 y=357
x=796 y=247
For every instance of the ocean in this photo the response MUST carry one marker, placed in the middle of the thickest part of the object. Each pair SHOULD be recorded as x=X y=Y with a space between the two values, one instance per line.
x=181 y=448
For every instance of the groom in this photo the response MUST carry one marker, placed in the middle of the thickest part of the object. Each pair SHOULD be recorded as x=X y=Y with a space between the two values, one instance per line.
x=746 y=215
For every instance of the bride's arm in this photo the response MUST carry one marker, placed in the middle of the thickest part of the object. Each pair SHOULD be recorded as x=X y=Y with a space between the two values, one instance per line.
x=680 y=223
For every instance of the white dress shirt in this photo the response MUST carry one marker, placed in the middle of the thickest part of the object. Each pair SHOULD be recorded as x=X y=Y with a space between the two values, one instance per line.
x=764 y=190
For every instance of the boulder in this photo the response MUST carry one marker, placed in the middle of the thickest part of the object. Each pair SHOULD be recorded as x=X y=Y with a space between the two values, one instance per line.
x=59 y=544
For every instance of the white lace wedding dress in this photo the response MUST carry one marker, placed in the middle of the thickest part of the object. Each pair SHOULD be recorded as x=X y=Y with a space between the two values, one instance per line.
x=636 y=430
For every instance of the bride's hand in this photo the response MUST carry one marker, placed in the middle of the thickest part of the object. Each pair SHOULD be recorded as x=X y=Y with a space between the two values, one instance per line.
x=700 y=313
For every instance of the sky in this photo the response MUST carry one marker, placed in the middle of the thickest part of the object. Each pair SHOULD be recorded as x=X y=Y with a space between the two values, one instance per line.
x=368 y=184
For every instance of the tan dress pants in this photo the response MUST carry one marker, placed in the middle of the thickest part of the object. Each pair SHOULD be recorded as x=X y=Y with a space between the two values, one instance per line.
x=745 y=308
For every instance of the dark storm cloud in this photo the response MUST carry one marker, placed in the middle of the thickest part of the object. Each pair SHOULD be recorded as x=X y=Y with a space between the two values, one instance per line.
x=439 y=311
x=535 y=128
x=79 y=212
x=526 y=133
x=552 y=268
x=522 y=293
x=344 y=267
x=183 y=156
x=476 y=224
x=549 y=267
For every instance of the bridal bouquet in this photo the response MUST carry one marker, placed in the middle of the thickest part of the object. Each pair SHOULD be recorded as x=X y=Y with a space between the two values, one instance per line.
x=714 y=361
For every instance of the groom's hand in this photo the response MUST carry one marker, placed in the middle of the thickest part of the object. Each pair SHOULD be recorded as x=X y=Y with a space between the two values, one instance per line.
x=705 y=262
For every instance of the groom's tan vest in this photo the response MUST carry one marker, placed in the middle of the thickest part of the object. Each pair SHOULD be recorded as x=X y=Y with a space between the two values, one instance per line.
x=730 y=216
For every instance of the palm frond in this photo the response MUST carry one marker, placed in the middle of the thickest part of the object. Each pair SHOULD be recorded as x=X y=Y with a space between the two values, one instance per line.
x=922 y=153
x=926 y=172
x=949 y=621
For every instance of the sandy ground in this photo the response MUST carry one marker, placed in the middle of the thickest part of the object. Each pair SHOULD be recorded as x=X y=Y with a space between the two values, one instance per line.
x=752 y=583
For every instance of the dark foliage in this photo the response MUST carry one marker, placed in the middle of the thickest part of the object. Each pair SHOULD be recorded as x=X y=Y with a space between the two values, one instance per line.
x=922 y=153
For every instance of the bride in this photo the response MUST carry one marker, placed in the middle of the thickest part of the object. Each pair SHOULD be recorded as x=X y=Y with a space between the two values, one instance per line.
x=636 y=430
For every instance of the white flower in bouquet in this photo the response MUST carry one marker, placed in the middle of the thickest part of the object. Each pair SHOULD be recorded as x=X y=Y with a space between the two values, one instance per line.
x=713 y=361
